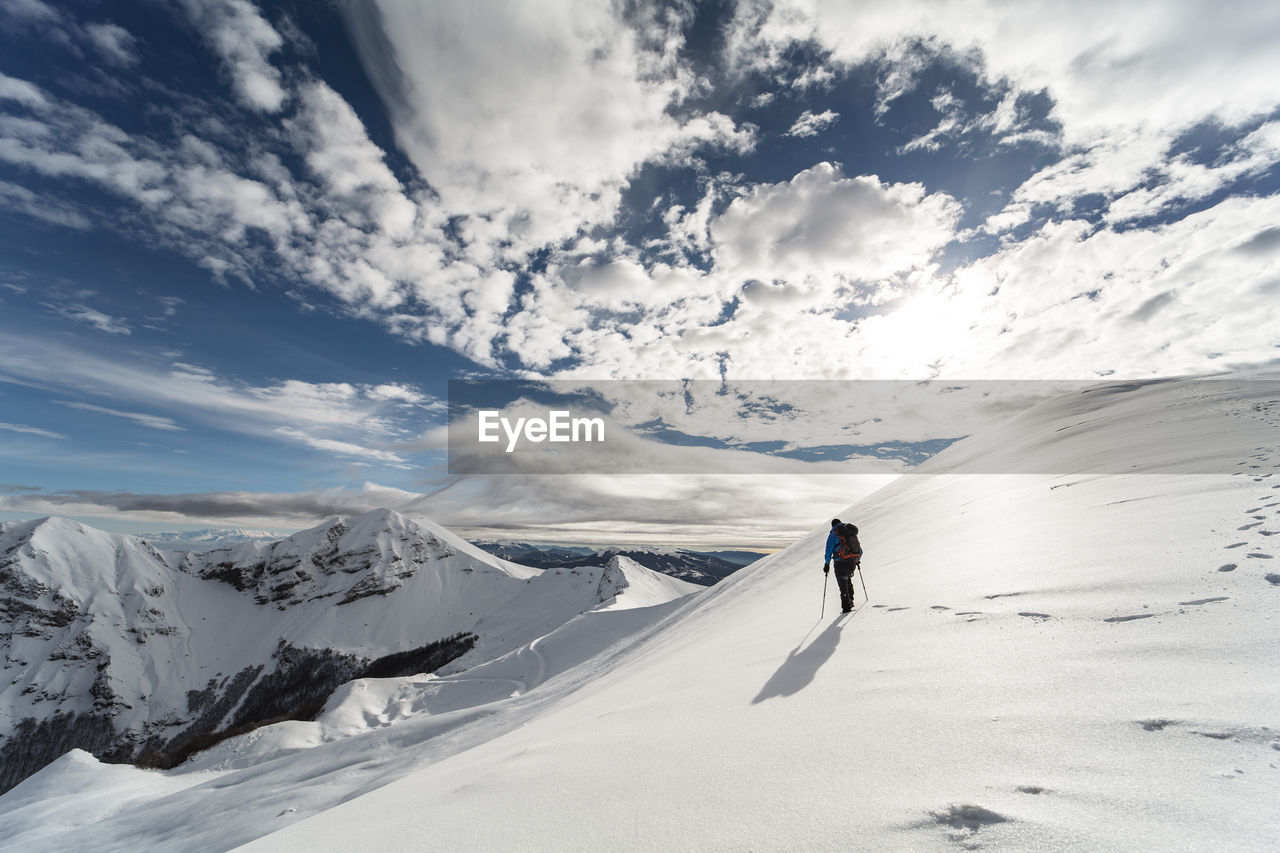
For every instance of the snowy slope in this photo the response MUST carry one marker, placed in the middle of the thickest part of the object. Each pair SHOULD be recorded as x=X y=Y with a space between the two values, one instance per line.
x=1053 y=661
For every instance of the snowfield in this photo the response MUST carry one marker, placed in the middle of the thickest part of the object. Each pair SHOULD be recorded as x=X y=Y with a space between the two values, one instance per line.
x=1050 y=661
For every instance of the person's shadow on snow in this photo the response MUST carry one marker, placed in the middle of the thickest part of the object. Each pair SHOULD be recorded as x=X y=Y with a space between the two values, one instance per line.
x=802 y=664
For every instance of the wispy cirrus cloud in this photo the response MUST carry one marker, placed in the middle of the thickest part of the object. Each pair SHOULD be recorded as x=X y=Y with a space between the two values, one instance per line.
x=139 y=418
x=30 y=430
x=84 y=314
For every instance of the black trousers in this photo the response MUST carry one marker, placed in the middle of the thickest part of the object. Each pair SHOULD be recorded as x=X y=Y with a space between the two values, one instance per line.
x=844 y=579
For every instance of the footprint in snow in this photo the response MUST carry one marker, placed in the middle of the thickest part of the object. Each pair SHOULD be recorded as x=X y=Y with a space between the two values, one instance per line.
x=1200 y=601
x=968 y=816
x=1250 y=525
x=1129 y=618
x=939 y=607
x=1234 y=545
x=1035 y=615
x=1229 y=567
x=1269 y=532
x=1156 y=725
x=1273 y=579
x=1258 y=555
x=892 y=609
x=1031 y=789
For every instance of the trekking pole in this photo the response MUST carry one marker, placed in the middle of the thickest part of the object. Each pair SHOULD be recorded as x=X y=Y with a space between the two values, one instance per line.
x=825 y=576
x=865 y=597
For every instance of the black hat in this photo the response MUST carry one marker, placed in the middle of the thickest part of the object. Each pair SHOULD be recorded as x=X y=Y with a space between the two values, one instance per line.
x=834 y=522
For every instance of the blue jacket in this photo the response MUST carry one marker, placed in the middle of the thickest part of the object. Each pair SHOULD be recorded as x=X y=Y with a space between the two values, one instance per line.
x=832 y=541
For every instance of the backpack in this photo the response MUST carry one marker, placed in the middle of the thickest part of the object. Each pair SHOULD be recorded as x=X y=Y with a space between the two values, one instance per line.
x=847 y=545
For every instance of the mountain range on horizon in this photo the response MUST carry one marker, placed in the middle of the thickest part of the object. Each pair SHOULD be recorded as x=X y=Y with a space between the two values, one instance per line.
x=701 y=567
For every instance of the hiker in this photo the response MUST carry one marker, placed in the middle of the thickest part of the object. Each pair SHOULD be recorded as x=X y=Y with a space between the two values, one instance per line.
x=842 y=543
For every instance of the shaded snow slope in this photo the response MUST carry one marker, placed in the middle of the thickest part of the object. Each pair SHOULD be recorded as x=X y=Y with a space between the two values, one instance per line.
x=1058 y=662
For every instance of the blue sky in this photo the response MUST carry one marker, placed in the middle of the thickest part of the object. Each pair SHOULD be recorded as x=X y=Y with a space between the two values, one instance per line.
x=244 y=246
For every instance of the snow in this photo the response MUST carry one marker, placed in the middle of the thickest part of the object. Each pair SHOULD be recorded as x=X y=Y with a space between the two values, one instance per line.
x=1053 y=661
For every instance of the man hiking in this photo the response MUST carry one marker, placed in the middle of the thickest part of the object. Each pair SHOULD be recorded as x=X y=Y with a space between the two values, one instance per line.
x=842 y=543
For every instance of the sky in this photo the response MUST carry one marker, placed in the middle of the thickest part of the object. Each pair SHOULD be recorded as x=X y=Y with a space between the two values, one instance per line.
x=245 y=247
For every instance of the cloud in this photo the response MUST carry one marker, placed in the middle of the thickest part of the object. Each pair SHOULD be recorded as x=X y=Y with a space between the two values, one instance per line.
x=343 y=448
x=1122 y=80
x=811 y=124
x=139 y=418
x=18 y=199
x=822 y=224
x=30 y=10
x=84 y=314
x=30 y=430
x=245 y=41
x=503 y=242
x=27 y=94
x=113 y=43
x=334 y=417
x=116 y=44
x=1078 y=300
x=496 y=110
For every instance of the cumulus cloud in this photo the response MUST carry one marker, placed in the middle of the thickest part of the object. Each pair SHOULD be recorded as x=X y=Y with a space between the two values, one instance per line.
x=827 y=273
x=236 y=30
x=1123 y=80
x=497 y=110
x=822 y=224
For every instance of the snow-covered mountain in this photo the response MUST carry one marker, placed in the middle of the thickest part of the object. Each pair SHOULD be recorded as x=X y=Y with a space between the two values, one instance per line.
x=208 y=538
x=697 y=567
x=116 y=648
x=1057 y=661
